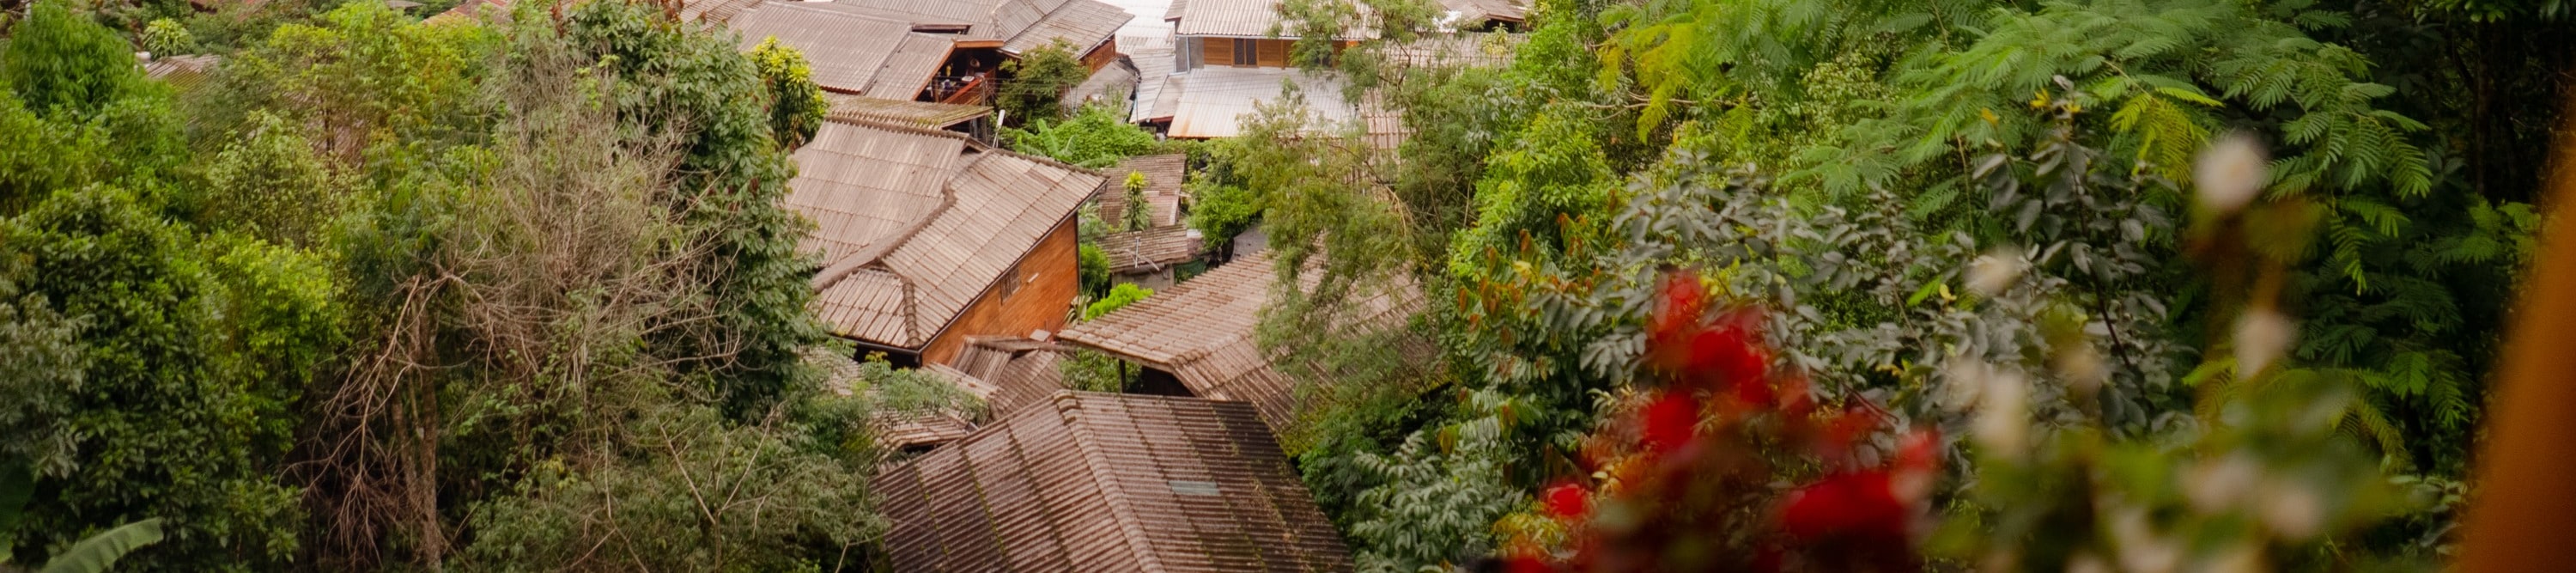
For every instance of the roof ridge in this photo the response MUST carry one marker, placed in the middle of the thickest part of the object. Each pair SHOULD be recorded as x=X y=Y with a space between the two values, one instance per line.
x=850 y=264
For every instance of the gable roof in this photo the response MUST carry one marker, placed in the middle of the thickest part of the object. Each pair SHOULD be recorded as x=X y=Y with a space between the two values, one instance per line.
x=849 y=53
x=1153 y=71
x=1202 y=332
x=1020 y=25
x=1248 y=19
x=1109 y=482
x=914 y=224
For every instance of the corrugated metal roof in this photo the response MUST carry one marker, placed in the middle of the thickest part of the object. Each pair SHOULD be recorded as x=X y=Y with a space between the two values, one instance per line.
x=1211 y=100
x=1248 y=19
x=1079 y=23
x=1022 y=371
x=1113 y=83
x=1153 y=71
x=1021 y=24
x=1202 y=331
x=714 y=11
x=182 y=72
x=1107 y=482
x=929 y=115
x=914 y=224
x=1163 y=191
x=1478 y=10
x=849 y=53
x=1149 y=250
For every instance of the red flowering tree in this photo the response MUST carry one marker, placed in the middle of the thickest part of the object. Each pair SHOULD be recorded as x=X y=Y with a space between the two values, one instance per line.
x=1695 y=472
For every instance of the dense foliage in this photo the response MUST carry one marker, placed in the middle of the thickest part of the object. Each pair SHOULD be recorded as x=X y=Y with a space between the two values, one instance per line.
x=1857 y=170
x=386 y=293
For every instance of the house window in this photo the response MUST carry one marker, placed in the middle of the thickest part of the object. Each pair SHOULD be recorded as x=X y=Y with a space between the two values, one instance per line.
x=1243 y=52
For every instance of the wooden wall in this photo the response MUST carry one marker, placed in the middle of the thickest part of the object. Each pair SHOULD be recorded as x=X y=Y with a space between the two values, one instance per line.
x=1102 y=54
x=1267 y=53
x=1031 y=296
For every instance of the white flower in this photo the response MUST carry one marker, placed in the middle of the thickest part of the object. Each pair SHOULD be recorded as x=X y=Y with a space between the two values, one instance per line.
x=2241 y=559
x=2140 y=550
x=2085 y=562
x=2231 y=172
x=2003 y=414
x=1994 y=271
x=2083 y=368
x=2215 y=487
x=2291 y=509
x=2261 y=336
x=1965 y=381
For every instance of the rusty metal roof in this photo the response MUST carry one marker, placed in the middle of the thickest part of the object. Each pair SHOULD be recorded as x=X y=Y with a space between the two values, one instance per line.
x=849 y=53
x=1108 y=482
x=914 y=224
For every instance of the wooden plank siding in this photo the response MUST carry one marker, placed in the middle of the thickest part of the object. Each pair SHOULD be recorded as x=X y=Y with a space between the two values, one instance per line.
x=1216 y=51
x=1101 y=55
x=1032 y=296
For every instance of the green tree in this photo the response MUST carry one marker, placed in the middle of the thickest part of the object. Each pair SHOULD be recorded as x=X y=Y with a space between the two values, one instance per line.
x=1033 y=86
x=1119 y=297
x=1095 y=138
x=796 y=105
x=1139 y=215
x=61 y=63
x=190 y=353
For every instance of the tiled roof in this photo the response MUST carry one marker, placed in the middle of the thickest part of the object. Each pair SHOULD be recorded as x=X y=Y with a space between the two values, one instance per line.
x=1163 y=174
x=1109 y=482
x=915 y=224
x=849 y=53
x=1021 y=371
x=922 y=114
x=1202 y=331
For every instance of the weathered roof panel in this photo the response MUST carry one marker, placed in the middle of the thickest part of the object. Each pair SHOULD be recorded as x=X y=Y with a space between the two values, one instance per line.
x=1212 y=102
x=848 y=52
x=1110 y=482
x=921 y=114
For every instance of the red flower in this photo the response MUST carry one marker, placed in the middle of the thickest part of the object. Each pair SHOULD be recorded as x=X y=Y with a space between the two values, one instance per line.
x=1670 y=421
x=1569 y=501
x=1854 y=507
x=1526 y=564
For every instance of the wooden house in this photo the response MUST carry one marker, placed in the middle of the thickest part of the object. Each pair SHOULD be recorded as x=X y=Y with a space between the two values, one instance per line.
x=929 y=238
x=1094 y=482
